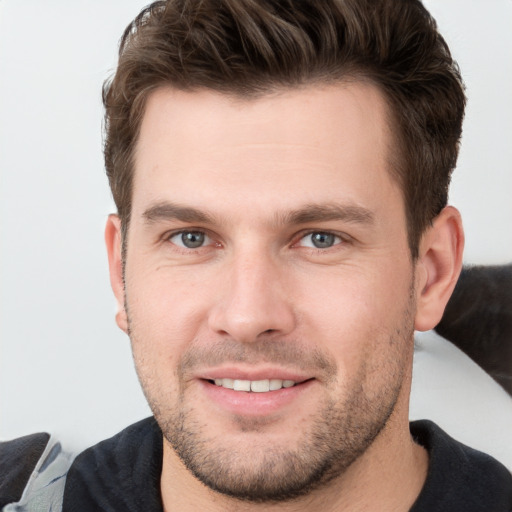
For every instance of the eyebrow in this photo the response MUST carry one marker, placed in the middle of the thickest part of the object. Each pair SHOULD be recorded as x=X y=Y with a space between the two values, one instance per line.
x=171 y=211
x=325 y=212
x=166 y=211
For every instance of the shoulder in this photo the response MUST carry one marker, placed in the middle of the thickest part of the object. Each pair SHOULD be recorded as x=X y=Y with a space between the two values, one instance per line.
x=120 y=473
x=130 y=446
x=459 y=477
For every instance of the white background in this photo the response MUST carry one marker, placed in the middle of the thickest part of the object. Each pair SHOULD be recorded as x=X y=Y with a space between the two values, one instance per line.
x=64 y=365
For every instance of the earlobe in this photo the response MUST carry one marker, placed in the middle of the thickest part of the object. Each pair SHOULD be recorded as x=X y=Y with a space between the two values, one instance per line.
x=438 y=267
x=113 y=240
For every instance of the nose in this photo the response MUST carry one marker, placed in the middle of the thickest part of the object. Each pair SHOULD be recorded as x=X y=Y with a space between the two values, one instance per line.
x=254 y=300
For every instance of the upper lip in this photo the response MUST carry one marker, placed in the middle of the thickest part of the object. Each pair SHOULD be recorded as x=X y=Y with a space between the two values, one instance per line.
x=237 y=373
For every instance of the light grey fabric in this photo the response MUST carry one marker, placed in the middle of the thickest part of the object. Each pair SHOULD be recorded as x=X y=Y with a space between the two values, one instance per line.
x=45 y=487
x=450 y=389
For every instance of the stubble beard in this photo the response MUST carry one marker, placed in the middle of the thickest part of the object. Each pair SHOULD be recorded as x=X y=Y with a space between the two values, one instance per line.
x=339 y=433
x=336 y=438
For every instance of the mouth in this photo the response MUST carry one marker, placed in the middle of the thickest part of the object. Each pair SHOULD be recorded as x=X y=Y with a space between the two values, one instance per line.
x=254 y=386
x=254 y=397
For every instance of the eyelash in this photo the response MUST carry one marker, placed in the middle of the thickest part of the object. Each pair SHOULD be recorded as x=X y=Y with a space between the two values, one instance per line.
x=342 y=239
x=168 y=236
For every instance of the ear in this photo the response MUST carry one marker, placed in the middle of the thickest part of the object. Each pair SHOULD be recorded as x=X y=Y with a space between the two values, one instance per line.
x=438 y=267
x=113 y=240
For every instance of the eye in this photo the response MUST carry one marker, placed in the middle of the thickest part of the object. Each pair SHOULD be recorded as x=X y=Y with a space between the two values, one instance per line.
x=190 y=239
x=319 y=240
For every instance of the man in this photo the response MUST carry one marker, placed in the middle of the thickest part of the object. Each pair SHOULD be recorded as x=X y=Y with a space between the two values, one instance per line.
x=280 y=171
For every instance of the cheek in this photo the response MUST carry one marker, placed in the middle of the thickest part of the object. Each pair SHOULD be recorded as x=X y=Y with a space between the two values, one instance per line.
x=346 y=300
x=358 y=317
x=166 y=312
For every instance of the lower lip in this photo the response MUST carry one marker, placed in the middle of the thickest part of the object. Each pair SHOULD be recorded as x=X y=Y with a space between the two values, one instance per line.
x=254 y=404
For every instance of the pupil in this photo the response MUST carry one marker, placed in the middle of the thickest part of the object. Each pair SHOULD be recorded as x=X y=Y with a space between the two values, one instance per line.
x=322 y=240
x=192 y=239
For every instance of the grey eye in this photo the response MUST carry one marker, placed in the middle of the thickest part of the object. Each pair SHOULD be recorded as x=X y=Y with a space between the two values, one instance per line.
x=189 y=239
x=192 y=239
x=320 y=240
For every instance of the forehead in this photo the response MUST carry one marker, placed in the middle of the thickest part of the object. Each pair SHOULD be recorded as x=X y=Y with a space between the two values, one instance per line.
x=315 y=144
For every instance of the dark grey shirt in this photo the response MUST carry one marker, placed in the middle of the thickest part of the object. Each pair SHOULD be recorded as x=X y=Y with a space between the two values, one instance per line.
x=122 y=474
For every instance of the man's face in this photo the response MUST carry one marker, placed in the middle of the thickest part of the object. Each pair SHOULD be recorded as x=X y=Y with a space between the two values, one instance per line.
x=267 y=250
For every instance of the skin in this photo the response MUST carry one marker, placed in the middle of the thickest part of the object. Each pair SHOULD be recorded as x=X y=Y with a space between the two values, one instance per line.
x=257 y=299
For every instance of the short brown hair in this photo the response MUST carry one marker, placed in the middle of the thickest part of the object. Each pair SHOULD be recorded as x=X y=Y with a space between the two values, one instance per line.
x=251 y=47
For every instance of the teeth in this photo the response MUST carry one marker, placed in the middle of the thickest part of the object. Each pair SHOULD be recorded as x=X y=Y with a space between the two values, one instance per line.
x=225 y=383
x=256 y=386
x=275 y=384
x=260 y=386
x=242 y=385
